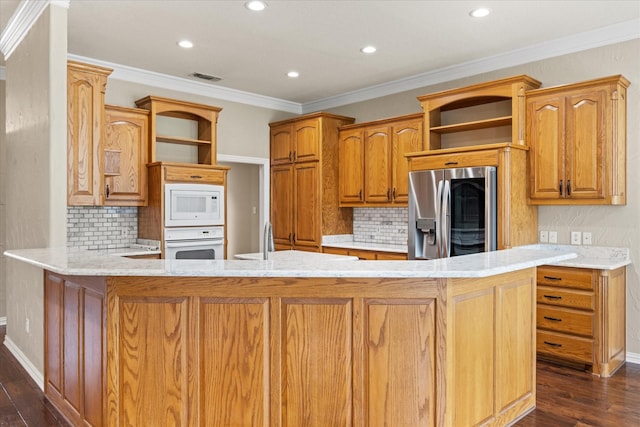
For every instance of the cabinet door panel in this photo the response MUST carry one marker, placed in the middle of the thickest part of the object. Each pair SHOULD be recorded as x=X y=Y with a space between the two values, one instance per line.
x=400 y=340
x=53 y=333
x=281 y=144
x=377 y=158
x=282 y=205
x=546 y=136
x=585 y=139
x=306 y=222
x=125 y=157
x=317 y=362
x=407 y=138
x=72 y=380
x=351 y=171
x=306 y=141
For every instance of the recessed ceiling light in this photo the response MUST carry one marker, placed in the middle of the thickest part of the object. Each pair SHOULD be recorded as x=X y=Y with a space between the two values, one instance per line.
x=293 y=74
x=255 y=5
x=368 y=49
x=185 y=44
x=481 y=12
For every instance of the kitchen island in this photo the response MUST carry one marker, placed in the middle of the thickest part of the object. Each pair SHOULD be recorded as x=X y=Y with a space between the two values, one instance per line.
x=277 y=343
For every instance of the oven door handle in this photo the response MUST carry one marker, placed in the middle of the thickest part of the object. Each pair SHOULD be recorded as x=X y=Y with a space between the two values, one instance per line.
x=192 y=243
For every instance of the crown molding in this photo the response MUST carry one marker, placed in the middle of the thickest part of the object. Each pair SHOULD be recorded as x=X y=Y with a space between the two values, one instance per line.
x=151 y=78
x=3 y=74
x=604 y=36
x=25 y=15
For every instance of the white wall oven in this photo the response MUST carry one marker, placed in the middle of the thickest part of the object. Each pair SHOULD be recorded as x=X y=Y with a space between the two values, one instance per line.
x=190 y=205
x=194 y=243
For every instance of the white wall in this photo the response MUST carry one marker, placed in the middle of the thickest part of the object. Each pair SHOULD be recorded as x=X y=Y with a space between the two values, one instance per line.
x=3 y=180
x=36 y=146
x=617 y=226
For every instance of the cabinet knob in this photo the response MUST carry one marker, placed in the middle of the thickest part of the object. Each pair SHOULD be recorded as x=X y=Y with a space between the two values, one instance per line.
x=295 y=156
x=560 y=189
x=360 y=195
x=394 y=193
x=290 y=155
x=388 y=194
x=107 y=191
x=568 y=187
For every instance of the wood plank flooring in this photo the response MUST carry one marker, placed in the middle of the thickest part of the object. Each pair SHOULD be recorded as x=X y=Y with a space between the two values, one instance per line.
x=566 y=397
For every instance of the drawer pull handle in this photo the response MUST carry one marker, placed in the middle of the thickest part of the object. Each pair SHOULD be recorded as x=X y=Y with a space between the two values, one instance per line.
x=554 y=297
x=553 y=344
x=196 y=177
x=553 y=319
x=552 y=278
x=451 y=163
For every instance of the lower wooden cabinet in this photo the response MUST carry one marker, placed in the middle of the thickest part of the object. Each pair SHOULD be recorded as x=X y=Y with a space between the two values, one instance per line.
x=75 y=347
x=366 y=254
x=581 y=317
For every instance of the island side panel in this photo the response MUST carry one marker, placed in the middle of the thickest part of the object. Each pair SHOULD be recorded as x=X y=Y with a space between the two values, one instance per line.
x=490 y=339
x=318 y=331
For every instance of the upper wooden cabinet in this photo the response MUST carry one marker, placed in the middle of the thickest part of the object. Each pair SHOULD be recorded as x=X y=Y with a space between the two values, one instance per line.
x=373 y=168
x=125 y=156
x=577 y=135
x=304 y=181
x=295 y=142
x=86 y=85
x=195 y=127
x=485 y=113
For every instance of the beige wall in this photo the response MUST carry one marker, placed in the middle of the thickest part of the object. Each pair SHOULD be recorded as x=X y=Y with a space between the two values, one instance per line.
x=3 y=180
x=35 y=170
x=617 y=226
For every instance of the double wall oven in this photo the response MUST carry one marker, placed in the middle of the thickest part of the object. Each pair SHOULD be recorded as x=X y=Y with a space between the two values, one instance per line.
x=194 y=221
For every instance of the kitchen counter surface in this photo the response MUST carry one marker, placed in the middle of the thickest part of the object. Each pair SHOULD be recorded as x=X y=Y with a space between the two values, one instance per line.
x=345 y=241
x=70 y=261
x=596 y=257
x=296 y=256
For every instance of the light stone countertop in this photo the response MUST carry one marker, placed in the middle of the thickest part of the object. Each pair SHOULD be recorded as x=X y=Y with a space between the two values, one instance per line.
x=71 y=261
x=596 y=257
x=345 y=241
x=296 y=256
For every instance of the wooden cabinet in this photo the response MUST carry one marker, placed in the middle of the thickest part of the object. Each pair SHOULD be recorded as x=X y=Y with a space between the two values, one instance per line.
x=517 y=220
x=151 y=217
x=75 y=347
x=304 y=181
x=86 y=86
x=581 y=317
x=577 y=135
x=363 y=254
x=125 y=156
x=197 y=121
x=485 y=113
x=373 y=168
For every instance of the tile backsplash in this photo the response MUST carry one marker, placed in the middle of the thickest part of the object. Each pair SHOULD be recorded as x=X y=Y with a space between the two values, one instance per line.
x=101 y=227
x=380 y=225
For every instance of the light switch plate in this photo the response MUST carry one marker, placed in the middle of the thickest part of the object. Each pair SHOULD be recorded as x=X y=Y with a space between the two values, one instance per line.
x=553 y=237
x=576 y=238
x=544 y=237
x=586 y=238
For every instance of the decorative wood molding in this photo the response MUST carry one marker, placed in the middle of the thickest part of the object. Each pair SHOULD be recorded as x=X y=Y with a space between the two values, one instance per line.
x=25 y=15
x=633 y=358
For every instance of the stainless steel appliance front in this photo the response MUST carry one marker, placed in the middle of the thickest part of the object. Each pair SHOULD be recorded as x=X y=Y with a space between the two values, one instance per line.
x=452 y=212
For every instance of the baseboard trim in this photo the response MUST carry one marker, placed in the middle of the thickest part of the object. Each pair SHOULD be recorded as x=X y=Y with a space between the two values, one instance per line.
x=24 y=361
x=3 y=321
x=633 y=358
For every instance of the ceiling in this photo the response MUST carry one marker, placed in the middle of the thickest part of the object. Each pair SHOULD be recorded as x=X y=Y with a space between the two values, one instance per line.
x=252 y=52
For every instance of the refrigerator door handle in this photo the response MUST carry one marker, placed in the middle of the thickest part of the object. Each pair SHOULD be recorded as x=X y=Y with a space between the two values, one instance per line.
x=444 y=221
x=438 y=225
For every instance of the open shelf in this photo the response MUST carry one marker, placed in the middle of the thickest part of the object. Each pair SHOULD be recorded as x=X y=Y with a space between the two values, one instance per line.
x=181 y=140
x=475 y=125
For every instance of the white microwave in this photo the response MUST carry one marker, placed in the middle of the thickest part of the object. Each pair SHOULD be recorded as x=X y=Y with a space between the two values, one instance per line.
x=188 y=205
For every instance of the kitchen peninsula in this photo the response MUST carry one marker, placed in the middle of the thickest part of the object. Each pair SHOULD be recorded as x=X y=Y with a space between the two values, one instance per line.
x=447 y=342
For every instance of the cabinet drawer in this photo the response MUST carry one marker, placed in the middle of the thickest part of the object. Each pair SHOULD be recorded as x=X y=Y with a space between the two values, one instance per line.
x=186 y=174
x=566 y=277
x=565 y=297
x=455 y=160
x=565 y=320
x=576 y=349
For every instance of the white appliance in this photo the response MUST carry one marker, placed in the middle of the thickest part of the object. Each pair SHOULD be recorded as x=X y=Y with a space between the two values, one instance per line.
x=189 y=205
x=194 y=243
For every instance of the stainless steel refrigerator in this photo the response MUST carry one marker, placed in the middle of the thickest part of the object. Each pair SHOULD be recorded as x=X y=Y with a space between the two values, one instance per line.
x=452 y=212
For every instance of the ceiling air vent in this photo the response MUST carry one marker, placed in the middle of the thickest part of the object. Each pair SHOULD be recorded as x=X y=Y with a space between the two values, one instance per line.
x=206 y=77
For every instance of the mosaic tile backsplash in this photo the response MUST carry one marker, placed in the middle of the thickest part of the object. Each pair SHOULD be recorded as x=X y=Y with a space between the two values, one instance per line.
x=101 y=227
x=380 y=225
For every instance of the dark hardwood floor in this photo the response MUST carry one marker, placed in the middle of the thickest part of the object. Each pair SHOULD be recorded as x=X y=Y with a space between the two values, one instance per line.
x=566 y=397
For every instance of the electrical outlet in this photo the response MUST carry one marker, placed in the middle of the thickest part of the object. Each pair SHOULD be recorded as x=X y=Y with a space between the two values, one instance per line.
x=26 y=325
x=125 y=232
x=553 y=237
x=544 y=237
x=586 y=238
x=576 y=238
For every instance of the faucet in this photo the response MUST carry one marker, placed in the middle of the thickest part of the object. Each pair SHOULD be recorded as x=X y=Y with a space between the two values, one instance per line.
x=268 y=245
